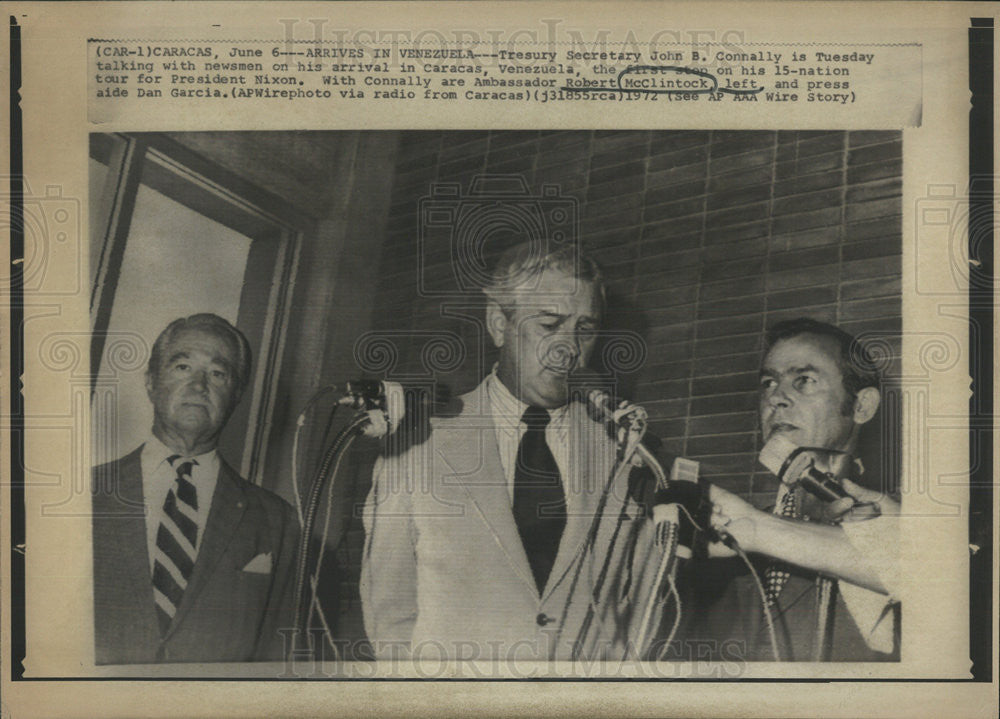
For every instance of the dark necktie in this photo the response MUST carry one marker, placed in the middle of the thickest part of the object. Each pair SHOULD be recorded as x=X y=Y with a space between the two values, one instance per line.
x=176 y=543
x=539 y=500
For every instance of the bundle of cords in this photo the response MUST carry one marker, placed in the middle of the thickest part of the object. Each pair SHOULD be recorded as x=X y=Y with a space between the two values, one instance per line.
x=306 y=600
x=382 y=410
x=630 y=423
x=730 y=541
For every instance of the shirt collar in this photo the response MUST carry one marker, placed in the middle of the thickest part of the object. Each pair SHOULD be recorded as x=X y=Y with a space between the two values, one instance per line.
x=509 y=407
x=504 y=403
x=155 y=453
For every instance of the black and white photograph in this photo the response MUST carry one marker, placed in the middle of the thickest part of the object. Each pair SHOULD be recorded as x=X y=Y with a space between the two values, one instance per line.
x=496 y=395
x=520 y=359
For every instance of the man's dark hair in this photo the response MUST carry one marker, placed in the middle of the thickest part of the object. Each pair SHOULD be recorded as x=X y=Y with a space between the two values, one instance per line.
x=207 y=322
x=857 y=368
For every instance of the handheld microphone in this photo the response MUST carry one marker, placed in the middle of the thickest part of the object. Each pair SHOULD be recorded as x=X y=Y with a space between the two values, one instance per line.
x=674 y=506
x=683 y=491
x=794 y=465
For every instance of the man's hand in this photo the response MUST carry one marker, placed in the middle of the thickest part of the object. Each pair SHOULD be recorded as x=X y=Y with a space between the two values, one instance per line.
x=734 y=517
x=820 y=547
x=860 y=505
x=888 y=506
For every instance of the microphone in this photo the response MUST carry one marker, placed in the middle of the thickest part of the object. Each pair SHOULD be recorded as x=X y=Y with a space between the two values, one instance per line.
x=795 y=465
x=675 y=505
x=601 y=405
x=627 y=419
x=683 y=490
x=384 y=402
x=676 y=501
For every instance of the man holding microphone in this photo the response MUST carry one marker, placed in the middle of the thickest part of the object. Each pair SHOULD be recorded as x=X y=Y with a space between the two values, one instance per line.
x=827 y=589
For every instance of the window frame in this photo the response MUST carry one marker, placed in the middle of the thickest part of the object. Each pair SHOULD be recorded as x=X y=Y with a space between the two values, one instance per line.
x=275 y=228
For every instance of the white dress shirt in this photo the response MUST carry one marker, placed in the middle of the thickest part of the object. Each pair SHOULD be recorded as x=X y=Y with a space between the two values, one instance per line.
x=877 y=540
x=507 y=411
x=158 y=477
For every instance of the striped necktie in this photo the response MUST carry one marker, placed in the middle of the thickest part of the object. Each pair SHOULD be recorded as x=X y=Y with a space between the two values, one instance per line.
x=776 y=575
x=176 y=543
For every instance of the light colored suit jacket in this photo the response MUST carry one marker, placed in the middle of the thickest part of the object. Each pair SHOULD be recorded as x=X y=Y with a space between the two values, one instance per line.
x=227 y=614
x=444 y=571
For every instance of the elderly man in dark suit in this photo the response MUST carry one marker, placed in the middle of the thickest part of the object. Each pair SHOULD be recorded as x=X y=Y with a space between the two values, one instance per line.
x=192 y=563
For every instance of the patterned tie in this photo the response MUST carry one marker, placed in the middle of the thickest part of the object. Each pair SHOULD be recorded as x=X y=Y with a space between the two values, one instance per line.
x=539 y=500
x=776 y=575
x=176 y=543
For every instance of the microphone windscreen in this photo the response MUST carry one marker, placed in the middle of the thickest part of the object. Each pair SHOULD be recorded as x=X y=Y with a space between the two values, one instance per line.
x=599 y=404
x=684 y=470
x=395 y=404
x=774 y=453
x=666 y=508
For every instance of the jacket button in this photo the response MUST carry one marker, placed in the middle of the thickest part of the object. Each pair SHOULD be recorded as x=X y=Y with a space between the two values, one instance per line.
x=542 y=620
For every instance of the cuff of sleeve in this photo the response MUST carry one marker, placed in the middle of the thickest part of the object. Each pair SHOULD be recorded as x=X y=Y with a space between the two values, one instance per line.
x=877 y=541
x=872 y=612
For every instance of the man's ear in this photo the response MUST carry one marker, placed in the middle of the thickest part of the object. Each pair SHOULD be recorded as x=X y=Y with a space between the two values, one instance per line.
x=866 y=404
x=149 y=386
x=496 y=322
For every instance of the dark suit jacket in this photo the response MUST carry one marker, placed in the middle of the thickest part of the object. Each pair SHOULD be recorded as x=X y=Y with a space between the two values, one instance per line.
x=226 y=614
x=727 y=618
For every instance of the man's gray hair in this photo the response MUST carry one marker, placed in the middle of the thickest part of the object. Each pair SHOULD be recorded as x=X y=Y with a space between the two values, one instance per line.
x=523 y=263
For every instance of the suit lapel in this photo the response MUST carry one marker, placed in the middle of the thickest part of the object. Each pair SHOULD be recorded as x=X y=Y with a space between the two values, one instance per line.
x=591 y=457
x=228 y=506
x=132 y=532
x=486 y=485
x=123 y=545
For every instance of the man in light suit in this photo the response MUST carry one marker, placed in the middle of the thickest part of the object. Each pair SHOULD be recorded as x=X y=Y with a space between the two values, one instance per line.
x=192 y=563
x=502 y=536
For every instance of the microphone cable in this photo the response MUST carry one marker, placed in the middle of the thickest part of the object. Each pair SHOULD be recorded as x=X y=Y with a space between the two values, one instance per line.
x=314 y=577
x=331 y=459
x=730 y=541
x=629 y=446
x=672 y=586
x=625 y=450
x=299 y=423
x=588 y=557
x=667 y=535
x=381 y=406
x=768 y=617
